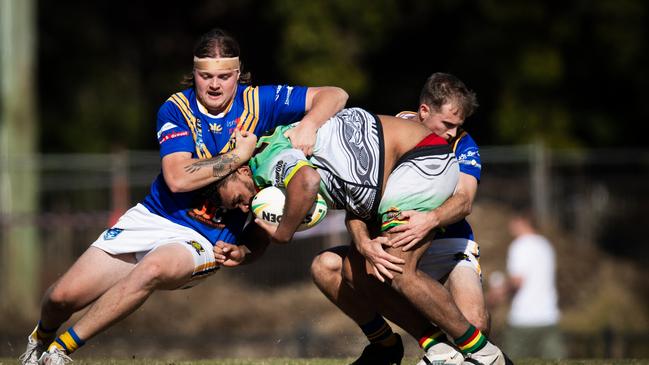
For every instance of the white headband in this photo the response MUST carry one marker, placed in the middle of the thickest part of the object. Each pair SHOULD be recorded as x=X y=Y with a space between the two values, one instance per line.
x=216 y=64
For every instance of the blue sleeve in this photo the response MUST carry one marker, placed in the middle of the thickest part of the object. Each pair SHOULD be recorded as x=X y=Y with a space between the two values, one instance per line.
x=468 y=155
x=172 y=131
x=280 y=105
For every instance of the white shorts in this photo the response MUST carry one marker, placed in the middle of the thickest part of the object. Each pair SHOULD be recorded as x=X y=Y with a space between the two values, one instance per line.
x=445 y=254
x=139 y=232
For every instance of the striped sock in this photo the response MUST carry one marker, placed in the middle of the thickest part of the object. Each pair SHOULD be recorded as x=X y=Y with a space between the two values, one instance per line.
x=67 y=341
x=431 y=337
x=471 y=341
x=378 y=330
x=45 y=335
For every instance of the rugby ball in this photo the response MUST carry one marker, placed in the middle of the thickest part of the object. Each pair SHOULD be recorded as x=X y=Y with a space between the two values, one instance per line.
x=268 y=205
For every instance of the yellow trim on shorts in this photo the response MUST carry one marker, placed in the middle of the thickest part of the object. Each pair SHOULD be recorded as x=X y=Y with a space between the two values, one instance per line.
x=300 y=164
x=392 y=223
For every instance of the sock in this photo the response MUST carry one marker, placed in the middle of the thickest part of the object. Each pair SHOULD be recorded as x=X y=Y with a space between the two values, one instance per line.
x=378 y=330
x=42 y=334
x=431 y=337
x=67 y=341
x=471 y=341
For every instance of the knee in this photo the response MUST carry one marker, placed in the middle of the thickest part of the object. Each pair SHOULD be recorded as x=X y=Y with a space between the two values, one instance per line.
x=61 y=298
x=326 y=267
x=148 y=274
x=480 y=319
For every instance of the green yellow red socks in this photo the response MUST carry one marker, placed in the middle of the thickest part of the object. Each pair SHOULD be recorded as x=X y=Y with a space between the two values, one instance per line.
x=471 y=341
x=431 y=337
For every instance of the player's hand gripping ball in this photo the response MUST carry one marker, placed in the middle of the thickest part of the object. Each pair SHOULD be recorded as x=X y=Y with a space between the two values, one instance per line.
x=268 y=205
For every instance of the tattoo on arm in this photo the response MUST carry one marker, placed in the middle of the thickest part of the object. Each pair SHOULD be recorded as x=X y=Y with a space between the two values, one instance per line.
x=221 y=165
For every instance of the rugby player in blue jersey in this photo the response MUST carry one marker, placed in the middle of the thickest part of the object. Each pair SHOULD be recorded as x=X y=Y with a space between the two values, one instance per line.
x=166 y=241
x=452 y=258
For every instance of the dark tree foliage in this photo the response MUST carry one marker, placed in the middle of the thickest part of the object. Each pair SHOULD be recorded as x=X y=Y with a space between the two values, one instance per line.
x=570 y=73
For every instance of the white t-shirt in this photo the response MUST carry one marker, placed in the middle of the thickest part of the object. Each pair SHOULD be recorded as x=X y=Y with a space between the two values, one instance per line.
x=531 y=257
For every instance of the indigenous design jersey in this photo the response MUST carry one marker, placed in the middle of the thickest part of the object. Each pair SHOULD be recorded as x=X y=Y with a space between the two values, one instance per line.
x=348 y=155
x=468 y=155
x=182 y=127
x=422 y=179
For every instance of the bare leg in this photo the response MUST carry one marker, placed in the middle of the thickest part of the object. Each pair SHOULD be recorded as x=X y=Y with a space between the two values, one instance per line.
x=466 y=288
x=326 y=271
x=389 y=302
x=432 y=299
x=88 y=278
x=463 y=283
x=385 y=347
x=167 y=267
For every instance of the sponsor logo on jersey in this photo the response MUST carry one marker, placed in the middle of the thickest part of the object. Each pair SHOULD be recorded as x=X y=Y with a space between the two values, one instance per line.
x=470 y=158
x=392 y=213
x=167 y=126
x=277 y=90
x=232 y=123
x=289 y=90
x=209 y=215
x=199 y=134
x=279 y=168
x=215 y=128
x=172 y=135
x=472 y=163
x=196 y=246
x=112 y=233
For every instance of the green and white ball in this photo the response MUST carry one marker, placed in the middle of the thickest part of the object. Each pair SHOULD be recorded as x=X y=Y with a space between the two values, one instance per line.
x=268 y=205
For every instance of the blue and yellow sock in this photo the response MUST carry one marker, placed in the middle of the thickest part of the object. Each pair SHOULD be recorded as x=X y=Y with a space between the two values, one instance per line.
x=67 y=341
x=431 y=337
x=471 y=341
x=378 y=330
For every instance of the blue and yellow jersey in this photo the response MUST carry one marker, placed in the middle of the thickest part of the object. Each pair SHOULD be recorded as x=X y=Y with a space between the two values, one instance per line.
x=468 y=155
x=182 y=127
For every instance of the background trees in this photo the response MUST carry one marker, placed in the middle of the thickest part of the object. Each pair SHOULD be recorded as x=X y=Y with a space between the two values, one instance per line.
x=570 y=74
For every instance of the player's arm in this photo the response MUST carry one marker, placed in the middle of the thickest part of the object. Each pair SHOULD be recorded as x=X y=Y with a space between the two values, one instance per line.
x=378 y=262
x=301 y=193
x=183 y=173
x=321 y=104
x=459 y=205
x=455 y=208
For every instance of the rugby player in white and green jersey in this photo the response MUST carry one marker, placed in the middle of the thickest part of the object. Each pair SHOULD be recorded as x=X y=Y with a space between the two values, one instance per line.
x=352 y=152
x=353 y=149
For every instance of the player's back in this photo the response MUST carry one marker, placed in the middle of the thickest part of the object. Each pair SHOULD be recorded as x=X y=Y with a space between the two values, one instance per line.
x=400 y=136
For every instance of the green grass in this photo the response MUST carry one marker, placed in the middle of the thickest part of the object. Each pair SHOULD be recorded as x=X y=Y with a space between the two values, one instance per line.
x=280 y=361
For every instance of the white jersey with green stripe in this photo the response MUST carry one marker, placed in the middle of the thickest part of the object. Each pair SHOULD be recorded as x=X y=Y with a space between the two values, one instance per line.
x=348 y=155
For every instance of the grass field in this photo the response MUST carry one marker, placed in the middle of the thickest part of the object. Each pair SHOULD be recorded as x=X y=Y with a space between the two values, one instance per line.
x=279 y=361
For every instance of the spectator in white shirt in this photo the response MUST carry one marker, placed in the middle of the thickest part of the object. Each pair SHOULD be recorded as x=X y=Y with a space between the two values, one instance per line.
x=534 y=314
